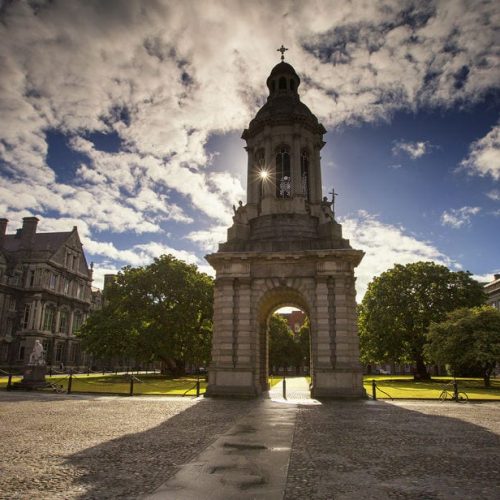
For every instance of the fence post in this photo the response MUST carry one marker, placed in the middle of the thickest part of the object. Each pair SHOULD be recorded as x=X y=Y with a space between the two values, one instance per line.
x=70 y=381
x=131 y=386
x=374 y=390
x=284 y=388
x=455 y=390
x=198 y=388
x=9 y=382
x=88 y=371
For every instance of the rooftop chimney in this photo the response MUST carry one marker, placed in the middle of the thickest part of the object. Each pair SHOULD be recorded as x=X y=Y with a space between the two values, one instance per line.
x=3 y=230
x=497 y=276
x=28 y=231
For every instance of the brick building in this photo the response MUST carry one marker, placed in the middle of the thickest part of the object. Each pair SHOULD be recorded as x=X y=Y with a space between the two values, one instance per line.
x=45 y=294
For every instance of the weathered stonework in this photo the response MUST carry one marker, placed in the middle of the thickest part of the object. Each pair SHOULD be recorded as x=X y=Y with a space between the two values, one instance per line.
x=284 y=249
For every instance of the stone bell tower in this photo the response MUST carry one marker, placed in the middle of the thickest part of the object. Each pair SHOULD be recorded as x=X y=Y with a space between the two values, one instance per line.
x=284 y=249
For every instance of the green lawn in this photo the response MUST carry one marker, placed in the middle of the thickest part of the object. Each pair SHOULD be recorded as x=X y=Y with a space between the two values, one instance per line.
x=398 y=387
x=405 y=387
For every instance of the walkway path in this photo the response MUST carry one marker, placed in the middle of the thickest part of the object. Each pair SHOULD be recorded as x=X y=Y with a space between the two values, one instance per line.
x=251 y=459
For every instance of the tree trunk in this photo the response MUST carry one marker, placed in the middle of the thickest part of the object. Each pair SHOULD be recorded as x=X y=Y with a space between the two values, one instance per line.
x=486 y=377
x=420 y=370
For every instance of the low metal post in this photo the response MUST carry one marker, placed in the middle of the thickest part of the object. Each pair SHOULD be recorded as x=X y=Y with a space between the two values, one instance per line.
x=374 y=390
x=70 y=381
x=88 y=371
x=50 y=371
x=131 y=386
x=9 y=382
x=455 y=390
x=284 y=387
x=198 y=388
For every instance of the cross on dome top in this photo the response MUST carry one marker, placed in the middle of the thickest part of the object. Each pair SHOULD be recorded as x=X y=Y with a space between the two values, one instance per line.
x=282 y=49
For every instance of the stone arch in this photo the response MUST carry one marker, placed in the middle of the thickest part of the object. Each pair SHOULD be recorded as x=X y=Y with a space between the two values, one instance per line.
x=274 y=294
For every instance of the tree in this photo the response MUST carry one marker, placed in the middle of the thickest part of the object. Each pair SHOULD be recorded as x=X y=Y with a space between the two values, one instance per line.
x=304 y=343
x=401 y=303
x=468 y=339
x=282 y=348
x=162 y=311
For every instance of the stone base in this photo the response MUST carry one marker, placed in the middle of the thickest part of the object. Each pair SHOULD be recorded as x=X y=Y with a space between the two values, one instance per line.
x=338 y=384
x=231 y=383
x=33 y=378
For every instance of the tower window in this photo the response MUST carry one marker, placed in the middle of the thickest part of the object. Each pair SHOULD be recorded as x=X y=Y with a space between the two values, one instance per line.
x=304 y=173
x=282 y=83
x=283 y=180
x=292 y=85
x=260 y=163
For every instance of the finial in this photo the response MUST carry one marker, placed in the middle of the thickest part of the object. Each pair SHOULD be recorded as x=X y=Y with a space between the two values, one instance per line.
x=282 y=49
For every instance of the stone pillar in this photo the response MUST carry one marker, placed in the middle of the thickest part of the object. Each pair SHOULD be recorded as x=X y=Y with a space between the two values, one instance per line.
x=295 y=167
x=315 y=176
x=38 y=315
x=269 y=188
x=70 y=323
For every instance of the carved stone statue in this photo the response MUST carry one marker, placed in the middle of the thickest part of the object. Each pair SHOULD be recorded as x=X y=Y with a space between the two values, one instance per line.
x=240 y=214
x=37 y=355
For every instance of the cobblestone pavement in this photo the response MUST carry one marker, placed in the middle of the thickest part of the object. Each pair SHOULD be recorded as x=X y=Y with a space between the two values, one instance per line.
x=406 y=450
x=65 y=447
x=56 y=446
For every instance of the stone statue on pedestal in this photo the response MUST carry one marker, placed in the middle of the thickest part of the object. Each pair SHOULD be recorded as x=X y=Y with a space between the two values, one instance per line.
x=37 y=355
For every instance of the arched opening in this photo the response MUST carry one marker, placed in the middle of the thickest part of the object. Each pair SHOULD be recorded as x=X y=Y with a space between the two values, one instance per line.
x=283 y=179
x=285 y=337
x=304 y=172
x=282 y=83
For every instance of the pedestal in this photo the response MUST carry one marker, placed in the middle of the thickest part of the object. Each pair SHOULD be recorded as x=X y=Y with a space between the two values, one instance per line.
x=33 y=378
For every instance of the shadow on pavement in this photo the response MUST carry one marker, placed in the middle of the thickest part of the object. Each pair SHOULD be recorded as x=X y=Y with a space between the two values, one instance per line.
x=405 y=450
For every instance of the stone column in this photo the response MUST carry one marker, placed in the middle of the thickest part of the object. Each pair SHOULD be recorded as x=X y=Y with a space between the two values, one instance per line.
x=269 y=188
x=323 y=347
x=295 y=167
x=315 y=176
x=70 y=323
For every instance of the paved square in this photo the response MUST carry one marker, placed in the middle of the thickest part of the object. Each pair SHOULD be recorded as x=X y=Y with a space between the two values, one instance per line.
x=56 y=447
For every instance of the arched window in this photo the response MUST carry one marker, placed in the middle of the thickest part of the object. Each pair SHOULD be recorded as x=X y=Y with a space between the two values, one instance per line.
x=282 y=83
x=260 y=164
x=49 y=317
x=77 y=321
x=283 y=180
x=304 y=173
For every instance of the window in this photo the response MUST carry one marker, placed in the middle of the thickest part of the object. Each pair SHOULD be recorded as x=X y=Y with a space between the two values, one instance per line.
x=283 y=180
x=77 y=321
x=76 y=261
x=63 y=321
x=304 y=173
x=48 y=319
x=66 y=286
x=12 y=303
x=53 y=281
x=282 y=83
x=31 y=278
x=4 y=352
x=73 y=352
x=59 y=351
x=26 y=316
x=79 y=289
x=260 y=166
x=20 y=355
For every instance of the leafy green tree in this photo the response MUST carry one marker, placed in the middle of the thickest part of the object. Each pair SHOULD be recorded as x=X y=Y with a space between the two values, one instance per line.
x=162 y=311
x=468 y=339
x=400 y=305
x=282 y=348
x=303 y=340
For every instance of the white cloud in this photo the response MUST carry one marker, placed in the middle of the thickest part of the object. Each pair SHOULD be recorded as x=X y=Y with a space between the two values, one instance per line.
x=494 y=194
x=412 y=149
x=385 y=245
x=458 y=217
x=208 y=240
x=484 y=156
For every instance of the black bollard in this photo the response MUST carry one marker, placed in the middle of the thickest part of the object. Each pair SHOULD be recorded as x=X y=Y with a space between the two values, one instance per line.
x=70 y=381
x=88 y=371
x=131 y=386
x=198 y=388
x=455 y=390
x=9 y=382
x=374 y=390
x=284 y=388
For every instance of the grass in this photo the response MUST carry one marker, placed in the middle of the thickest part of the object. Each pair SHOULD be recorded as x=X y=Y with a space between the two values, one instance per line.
x=403 y=386
x=396 y=386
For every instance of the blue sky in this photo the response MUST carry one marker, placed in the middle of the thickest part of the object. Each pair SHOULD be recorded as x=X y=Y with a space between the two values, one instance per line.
x=124 y=118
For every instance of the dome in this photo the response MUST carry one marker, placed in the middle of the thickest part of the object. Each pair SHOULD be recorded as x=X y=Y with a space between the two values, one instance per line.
x=282 y=76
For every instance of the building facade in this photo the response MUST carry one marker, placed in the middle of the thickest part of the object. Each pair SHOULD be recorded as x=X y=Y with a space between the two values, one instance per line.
x=285 y=248
x=45 y=294
x=492 y=290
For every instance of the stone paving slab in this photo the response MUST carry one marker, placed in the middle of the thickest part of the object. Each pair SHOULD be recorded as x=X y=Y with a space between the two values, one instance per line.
x=250 y=461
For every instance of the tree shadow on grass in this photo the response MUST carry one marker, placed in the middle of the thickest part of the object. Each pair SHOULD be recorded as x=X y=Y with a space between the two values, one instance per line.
x=405 y=450
x=137 y=464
